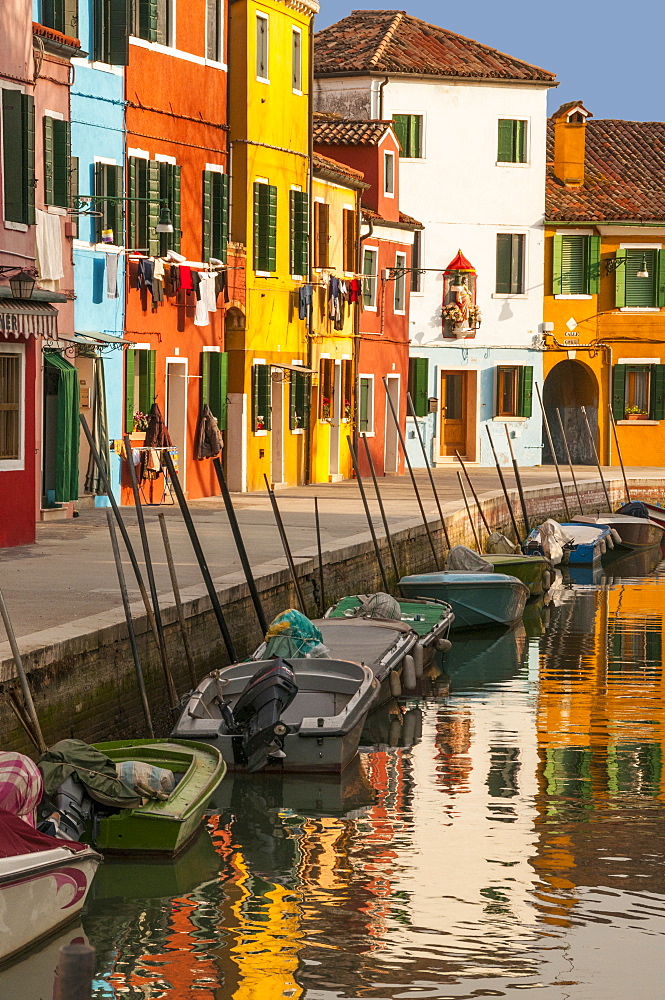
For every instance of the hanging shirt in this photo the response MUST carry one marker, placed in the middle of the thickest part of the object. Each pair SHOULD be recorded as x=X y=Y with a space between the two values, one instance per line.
x=185 y=278
x=145 y=272
x=201 y=315
x=196 y=283
x=209 y=288
x=304 y=301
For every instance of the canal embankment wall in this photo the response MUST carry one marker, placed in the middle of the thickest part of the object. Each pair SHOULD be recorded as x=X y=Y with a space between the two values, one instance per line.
x=82 y=672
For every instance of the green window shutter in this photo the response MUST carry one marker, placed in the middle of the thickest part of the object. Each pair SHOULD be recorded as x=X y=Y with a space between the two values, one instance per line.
x=132 y=206
x=70 y=18
x=292 y=235
x=207 y=215
x=574 y=265
x=619 y=391
x=660 y=267
x=265 y=226
x=130 y=356
x=221 y=221
x=28 y=131
x=418 y=382
x=525 y=390
x=13 y=156
x=147 y=26
x=363 y=406
x=74 y=191
x=223 y=389
x=557 y=266
x=214 y=371
x=118 y=32
x=657 y=392
x=505 y=146
x=504 y=244
x=299 y=213
x=272 y=218
x=49 y=166
x=293 y=403
x=175 y=205
x=261 y=398
x=147 y=361
x=415 y=138
x=61 y=136
x=117 y=207
x=520 y=141
x=299 y=402
x=620 y=281
x=400 y=130
x=593 y=265
x=153 y=207
x=99 y=220
x=641 y=292
x=205 y=378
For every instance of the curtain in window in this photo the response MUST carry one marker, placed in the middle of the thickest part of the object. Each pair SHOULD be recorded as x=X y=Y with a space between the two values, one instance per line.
x=100 y=434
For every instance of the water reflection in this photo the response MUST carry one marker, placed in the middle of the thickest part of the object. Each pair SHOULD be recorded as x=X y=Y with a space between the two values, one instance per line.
x=504 y=832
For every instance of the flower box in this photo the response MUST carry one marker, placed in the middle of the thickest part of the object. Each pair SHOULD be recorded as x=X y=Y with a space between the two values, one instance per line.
x=637 y=416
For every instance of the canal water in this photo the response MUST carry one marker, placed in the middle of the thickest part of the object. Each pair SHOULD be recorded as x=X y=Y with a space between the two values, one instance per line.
x=505 y=833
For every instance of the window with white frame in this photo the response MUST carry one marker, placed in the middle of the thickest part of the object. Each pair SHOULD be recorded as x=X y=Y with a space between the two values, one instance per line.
x=296 y=60
x=155 y=21
x=262 y=47
x=366 y=404
x=510 y=263
x=370 y=271
x=399 y=305
x=12 y=377
x=389 y=174
x=215 y=30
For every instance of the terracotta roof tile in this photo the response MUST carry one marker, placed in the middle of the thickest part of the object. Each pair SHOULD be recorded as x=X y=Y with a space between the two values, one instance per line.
x=405 y=221
x=624 y=175
x=390 y=41
x=334 y=166
x=333 y=130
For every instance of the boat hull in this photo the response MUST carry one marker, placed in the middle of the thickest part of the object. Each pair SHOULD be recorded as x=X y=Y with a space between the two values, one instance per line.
x=533 y=571
x=40 y=894
x=635 y=532
x=478 y=600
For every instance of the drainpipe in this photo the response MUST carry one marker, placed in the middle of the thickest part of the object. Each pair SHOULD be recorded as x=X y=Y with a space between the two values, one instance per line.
x=381 y=88
x=310 y=276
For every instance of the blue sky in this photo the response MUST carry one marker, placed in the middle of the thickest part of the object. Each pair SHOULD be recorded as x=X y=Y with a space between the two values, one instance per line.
x=604 y=53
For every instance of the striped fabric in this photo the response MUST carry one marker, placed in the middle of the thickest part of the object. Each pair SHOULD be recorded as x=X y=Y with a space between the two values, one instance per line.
x=20 y=786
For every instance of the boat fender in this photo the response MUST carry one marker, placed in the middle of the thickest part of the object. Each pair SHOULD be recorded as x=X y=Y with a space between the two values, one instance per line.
x=418 y=659
x=395 y=731
x=443 y=645
x=395 y=684
x=409 y=728
x=409 y=673
x=616 y=536
x=609 y=542
x=602 y=546
x=548 y=580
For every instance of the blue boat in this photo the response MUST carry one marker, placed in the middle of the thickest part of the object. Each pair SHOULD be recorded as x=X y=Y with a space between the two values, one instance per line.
x=478 y=600
x=588 y=543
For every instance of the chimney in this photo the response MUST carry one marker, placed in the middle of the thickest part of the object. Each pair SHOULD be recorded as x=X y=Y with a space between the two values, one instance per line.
x=570 y=142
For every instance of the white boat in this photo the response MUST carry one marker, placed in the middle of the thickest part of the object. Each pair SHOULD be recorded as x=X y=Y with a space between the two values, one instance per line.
x=40 y=891
x=304 y=714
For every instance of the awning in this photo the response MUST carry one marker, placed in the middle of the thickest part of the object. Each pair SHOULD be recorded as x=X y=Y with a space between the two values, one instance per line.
x=24 y=318
x=100 y=338
x=292 y=368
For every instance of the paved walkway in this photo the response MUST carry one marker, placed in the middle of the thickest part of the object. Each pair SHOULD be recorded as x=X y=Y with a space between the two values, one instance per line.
x=70 y=574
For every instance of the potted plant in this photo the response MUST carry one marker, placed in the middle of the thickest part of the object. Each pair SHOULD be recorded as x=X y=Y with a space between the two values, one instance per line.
x=636 y=413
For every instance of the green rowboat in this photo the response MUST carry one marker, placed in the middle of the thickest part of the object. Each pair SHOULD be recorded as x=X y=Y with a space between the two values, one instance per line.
x=534 y=571
x=162 y=827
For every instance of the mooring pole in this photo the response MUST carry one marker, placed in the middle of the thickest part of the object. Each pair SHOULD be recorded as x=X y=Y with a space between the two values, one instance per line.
x=616 y=441
x=285 y=546
x=413 y=478
x=595 y=455
x=130 y=622
x=391 y=547
x=23 y=679
x=504 y=487
x=518 y=480
x=468 y=510
x=370 y=523
x=473 y=493
x=568 y=459
x=200 y=558
x=550 y=442
x=176 y=596
x=240 y=545
x=322 y=585
x=412 y=411
x=170 y=685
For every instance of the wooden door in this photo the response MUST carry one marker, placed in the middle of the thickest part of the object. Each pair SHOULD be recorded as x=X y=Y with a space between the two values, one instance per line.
x=452 y=437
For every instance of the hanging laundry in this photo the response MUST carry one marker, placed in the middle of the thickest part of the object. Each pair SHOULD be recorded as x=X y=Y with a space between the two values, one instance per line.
x=196 y=283
x=209 y=291
x=112 y=276
x=222 y=284
x=49 y=250
x=172 y=279
x=355 y=290
x=158 y=283
x=304 y=301
x=145 y=273
x=201 y=315
x=208 y=435
x=185 y=278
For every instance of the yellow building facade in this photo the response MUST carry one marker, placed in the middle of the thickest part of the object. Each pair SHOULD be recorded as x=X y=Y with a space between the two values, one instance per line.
x=269 y=117
x=604 y=311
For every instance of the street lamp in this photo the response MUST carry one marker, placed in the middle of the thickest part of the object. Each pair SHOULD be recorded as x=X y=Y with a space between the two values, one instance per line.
x=165 y=225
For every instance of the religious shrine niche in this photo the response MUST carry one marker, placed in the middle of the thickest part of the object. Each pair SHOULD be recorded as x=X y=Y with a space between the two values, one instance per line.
x=461 y=315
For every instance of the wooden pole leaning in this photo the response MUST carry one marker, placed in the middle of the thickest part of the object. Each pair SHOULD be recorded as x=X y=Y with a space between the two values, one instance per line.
x=322 y=583
x=413 y=478
x=504 y=487
x=130 y=622
x=473 y=493
x=170 y=685
x=22 y=676
x=616 y=441
x=285 y=545
x=412 y=411
x=518 y=480
x=597 y=460
x=200 y=557
x=176 y=597
x=468 y=509
x=391 y=547
x=370 y=523
x=568 y=459
x=546 y=425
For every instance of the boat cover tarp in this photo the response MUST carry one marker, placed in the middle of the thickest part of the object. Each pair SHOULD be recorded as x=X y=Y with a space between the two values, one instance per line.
x=553 y=538
x=498 y=544
x=464 y=560
x=94 y=770
x=17 y=838
x=20 y=786
x=635 y=509
x=378 y=606
x=361 y=639
x=292 y=634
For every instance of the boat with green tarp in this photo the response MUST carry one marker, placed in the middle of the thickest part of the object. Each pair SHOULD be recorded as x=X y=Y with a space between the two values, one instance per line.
x=429 y=618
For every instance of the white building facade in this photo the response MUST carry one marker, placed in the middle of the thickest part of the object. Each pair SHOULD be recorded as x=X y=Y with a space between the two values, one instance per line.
x=472 y=172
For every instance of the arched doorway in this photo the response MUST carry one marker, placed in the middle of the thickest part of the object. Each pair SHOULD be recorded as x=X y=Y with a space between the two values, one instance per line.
x=570 y=386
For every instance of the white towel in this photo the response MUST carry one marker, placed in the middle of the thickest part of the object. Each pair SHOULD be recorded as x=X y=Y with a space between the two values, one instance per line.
x=201 y=317
x=210 y=291
x=49 y=247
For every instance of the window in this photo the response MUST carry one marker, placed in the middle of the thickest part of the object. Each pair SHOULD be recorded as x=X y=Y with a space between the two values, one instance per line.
x=370 y=270
x=418 y=385
x=11 y=395
x=18 y=149
x=576 y=265
x=296 y=61
x=262 y=47
x=350 y=240
x=389 y=174
x=215 y=30
x=321 y=234
x=299 y=401
x=366 y=404
x=57 y=146
x=416 y=261
x=214 y=378
x=299 y=211
x=109 y=224
x=139 y=384
x=638 y=389
x=62 y=15
x=265 y=226
x=215 y=215
x=143 y=214
x=409 y=131
x=261 y=393
x=399 y=303
x=111 y=30
x=154 y=20
x=639 y=292
x=514 y=390
x=510 y=263
x=347 y=387
x=326 y=388
x=512 y=141
x=74 y=192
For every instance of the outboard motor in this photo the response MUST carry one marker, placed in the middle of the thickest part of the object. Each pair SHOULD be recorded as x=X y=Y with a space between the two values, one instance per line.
x=73 y=809
x=257 y=712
